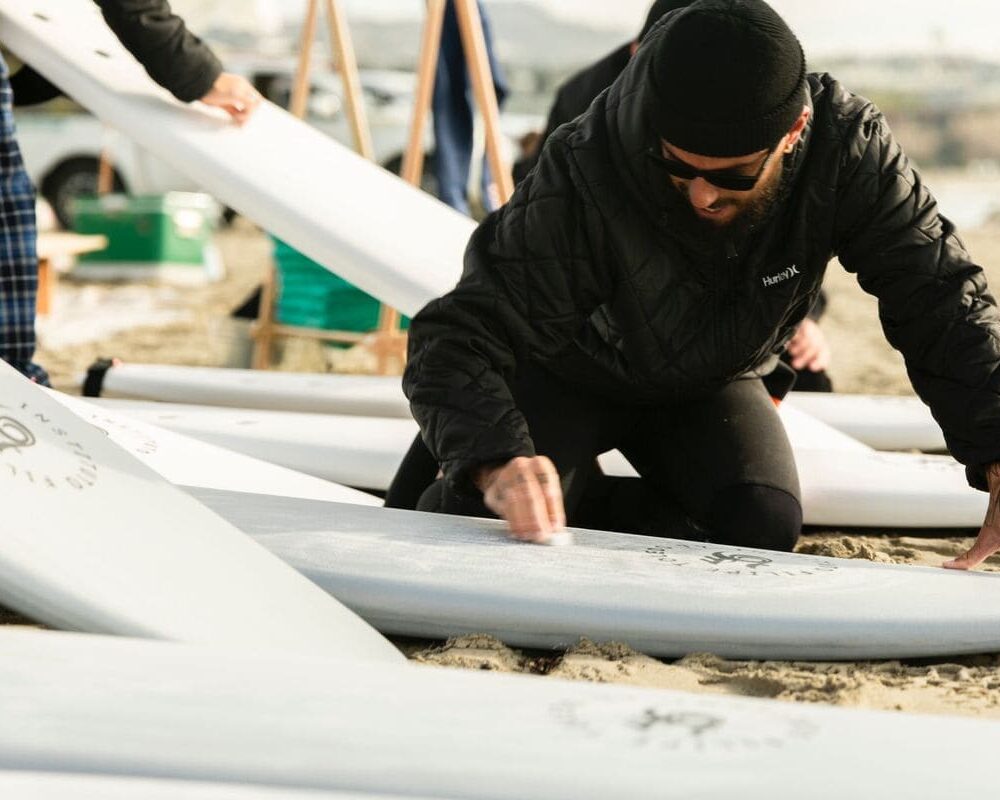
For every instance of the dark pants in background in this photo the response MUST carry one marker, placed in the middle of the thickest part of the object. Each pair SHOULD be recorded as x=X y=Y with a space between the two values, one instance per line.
x=719 y=469
x=453 y=113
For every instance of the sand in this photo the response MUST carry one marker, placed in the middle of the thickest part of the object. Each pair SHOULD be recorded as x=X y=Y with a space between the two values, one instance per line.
x=863 y=362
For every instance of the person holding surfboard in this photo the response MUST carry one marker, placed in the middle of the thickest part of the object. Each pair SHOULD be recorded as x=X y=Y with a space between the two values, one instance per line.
x=174 y=58
x=649 y=271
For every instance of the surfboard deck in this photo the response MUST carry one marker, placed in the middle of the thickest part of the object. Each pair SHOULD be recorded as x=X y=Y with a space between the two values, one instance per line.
x=304 y=187
x=885 y=422
x=433 y=575
x=93 y=540
x=185 y=461
x=843 y=481
x=168 y=711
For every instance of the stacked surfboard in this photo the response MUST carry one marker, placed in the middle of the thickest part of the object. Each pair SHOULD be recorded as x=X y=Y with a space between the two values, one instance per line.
x=844 y=482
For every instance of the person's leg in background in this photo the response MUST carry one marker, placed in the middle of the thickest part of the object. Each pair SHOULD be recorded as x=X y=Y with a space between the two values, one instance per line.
x=18 y=257
x=452 y=106
x=452 y=115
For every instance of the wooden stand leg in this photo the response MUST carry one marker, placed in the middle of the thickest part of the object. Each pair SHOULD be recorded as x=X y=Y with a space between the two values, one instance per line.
x=340 y=41
x=413 y=159
x=300 y=88
x=46 y=284
x=474 y=43
x=263 y=333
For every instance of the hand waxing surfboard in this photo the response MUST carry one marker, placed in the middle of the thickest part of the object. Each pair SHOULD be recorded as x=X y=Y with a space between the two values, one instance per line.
x=149 y=709
x=433 y=575
x=843 y=481
x=93 y=540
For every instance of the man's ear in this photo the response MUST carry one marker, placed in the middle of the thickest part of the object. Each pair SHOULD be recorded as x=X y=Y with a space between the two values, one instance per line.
x=795 y=132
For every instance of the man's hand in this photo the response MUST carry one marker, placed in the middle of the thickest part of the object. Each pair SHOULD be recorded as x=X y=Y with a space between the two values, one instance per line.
x=526 y=493
x=808 y=347
x=234 y=95
x=988 y=541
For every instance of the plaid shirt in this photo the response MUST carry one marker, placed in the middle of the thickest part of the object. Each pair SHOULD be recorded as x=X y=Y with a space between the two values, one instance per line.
x=18 y=260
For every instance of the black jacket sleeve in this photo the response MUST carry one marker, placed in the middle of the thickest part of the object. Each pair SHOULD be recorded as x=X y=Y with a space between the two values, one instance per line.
x=933 y=302
x=173 y=56
x=532 y=274
x=30 y=88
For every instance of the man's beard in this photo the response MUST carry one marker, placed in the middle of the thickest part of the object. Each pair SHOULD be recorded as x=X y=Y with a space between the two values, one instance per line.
x=749 y=216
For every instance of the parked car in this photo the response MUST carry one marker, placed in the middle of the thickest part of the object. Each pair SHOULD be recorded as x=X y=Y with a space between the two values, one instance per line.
x=62 y=143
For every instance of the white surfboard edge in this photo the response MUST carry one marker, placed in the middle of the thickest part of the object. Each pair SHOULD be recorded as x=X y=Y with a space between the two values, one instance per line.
x=95 y=541
x=844 y=483
x=426 y=731
x=24 y=785
x=185 y=461
x=304 y=187
x=436 y=576
x=361 y=395
x=885 y=422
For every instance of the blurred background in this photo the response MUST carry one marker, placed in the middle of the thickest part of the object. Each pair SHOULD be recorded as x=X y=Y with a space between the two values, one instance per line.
x=933 y=68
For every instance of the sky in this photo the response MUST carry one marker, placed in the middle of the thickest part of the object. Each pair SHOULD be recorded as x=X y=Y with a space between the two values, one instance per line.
x=824 y=26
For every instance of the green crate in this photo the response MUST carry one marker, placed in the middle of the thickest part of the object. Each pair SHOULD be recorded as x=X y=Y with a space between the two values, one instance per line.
x=312 y=296
x=173 y=228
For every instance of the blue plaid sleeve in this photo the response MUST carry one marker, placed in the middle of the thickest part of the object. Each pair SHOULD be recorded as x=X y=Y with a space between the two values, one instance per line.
x=18 y=259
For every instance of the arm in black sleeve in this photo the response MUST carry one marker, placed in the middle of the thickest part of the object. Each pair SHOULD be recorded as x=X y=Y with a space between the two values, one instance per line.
x=933 y=302
x=532 y=274
x=173 y=56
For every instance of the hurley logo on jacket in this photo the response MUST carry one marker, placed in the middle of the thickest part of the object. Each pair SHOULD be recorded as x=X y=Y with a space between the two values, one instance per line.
x=780 y=277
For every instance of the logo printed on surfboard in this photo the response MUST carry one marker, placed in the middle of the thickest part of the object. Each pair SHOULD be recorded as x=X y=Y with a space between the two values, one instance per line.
x=13 y=435
x=677 y=728
x=733 y=562
x=56 y=461
x=138 y=440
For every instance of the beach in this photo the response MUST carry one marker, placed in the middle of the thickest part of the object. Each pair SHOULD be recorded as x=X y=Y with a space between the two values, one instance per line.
x=193 y=329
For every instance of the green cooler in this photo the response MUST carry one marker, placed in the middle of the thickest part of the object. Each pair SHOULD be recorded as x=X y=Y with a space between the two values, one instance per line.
x=167 y=237
x=311 y=296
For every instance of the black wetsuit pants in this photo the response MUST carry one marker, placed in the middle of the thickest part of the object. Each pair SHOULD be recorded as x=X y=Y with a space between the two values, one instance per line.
x=719 y=469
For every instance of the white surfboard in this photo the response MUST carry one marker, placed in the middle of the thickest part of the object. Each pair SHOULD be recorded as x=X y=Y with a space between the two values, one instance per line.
x=885 y=422
x=363 y=395
x=433 y=575
x=93 y=540
x=278 y=171
x=170 y=711
x=843 y=481
x=22 y=785
x=186 y=461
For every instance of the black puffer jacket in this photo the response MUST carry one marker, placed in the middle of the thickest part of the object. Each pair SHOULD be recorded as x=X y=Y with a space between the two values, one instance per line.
x=173 y=56
x=584 y=273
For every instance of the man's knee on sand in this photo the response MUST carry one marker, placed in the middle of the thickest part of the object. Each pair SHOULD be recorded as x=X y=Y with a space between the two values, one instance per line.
x=753 y=515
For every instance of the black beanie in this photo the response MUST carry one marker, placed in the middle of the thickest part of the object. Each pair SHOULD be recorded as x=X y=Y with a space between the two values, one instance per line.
x=657 y=10
x=728 y=78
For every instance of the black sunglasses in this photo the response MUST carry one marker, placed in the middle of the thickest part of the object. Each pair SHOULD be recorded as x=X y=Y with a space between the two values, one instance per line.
x=727 y=181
